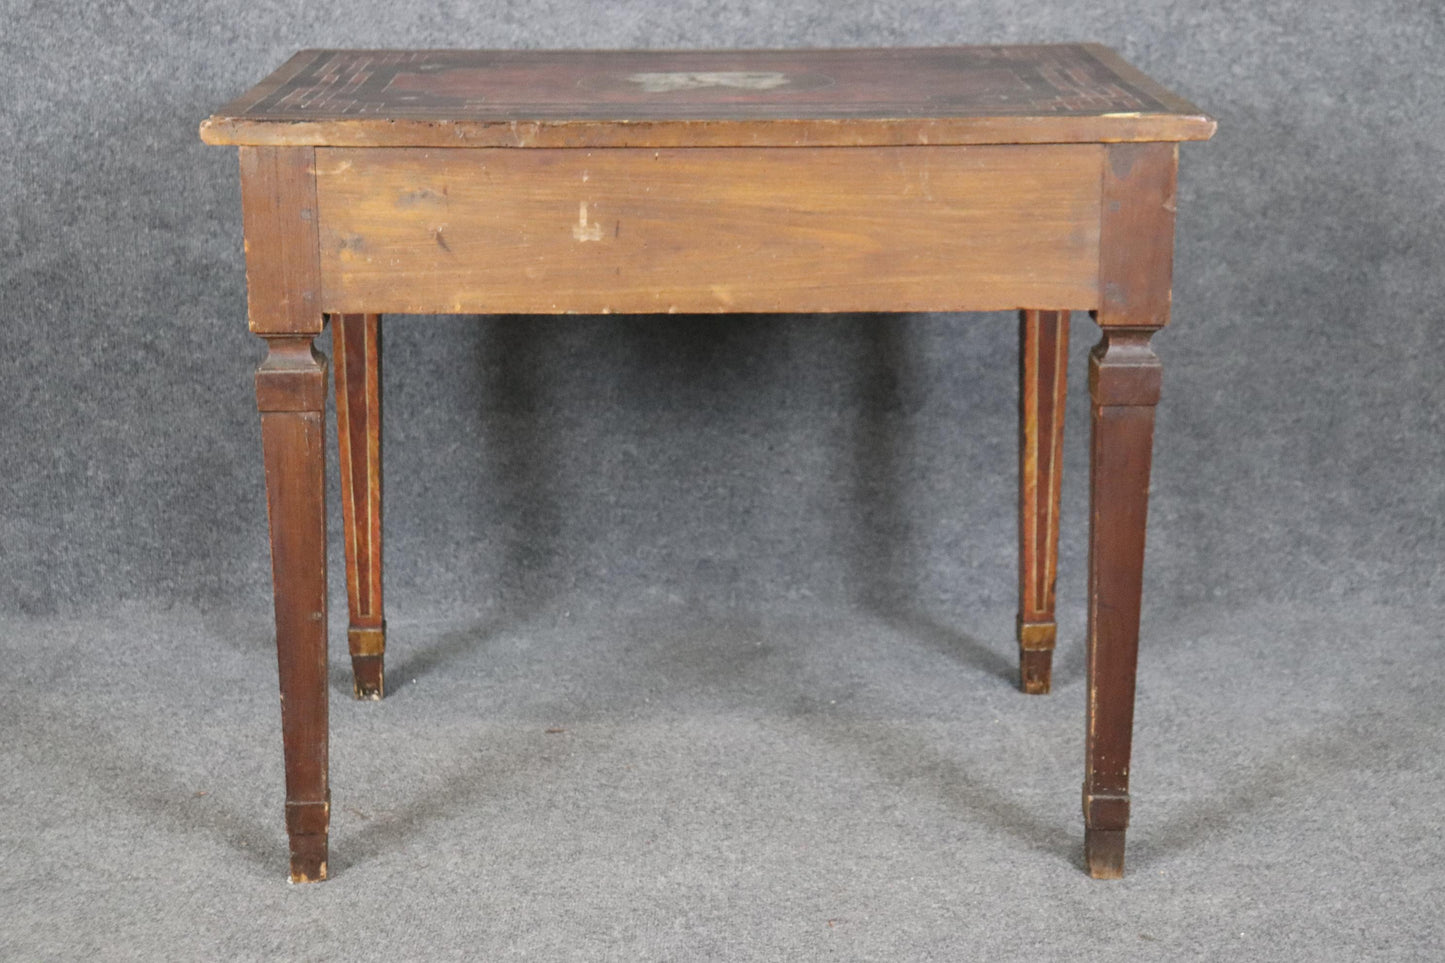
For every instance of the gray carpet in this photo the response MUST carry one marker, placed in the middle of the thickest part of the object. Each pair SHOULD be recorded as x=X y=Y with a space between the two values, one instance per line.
x=759 y=569
x=790 y=782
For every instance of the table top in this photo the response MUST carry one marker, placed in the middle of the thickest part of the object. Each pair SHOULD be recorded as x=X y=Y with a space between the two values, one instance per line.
x=1055 y=93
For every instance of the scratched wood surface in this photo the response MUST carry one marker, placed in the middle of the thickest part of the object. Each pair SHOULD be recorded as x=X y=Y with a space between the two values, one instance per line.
x=1054 y=93
x=491 y=230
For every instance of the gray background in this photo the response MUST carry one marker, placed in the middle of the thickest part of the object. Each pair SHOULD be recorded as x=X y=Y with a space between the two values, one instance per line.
x=761 y=569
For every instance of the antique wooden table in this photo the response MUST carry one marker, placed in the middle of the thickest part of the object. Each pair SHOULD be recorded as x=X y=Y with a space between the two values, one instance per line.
x=1038 y=178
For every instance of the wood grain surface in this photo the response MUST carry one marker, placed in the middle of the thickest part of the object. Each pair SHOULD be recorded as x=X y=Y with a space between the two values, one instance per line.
x=278 y=215
x=1136 y=256
x=859 y=229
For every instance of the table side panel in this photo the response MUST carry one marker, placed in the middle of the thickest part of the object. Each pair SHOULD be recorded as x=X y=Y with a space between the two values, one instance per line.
x=493 y=230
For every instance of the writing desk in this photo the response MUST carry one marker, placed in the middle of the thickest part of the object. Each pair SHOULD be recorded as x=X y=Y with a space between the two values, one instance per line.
x=1038 y=178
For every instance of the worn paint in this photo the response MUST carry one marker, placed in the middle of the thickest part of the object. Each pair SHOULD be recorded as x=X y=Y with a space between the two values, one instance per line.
x=582 y=230
x=420 y=197
x=672 y=81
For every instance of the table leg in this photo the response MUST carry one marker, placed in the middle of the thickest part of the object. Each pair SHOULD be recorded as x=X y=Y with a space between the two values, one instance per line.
x=283 y=284
x=356 y=341
x=291 y=395
x=1136 y=251
x=1043 y=379
x=1124 y=381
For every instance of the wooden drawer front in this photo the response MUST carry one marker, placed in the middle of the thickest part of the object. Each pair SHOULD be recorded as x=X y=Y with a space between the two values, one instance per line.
x=498 y=230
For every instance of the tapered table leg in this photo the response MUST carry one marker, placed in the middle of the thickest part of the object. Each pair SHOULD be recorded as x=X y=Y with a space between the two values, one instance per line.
x=1136 y=250
x=291 y=395
x=1124 y=381
x=356 y=340
x=1043 y=381
x=278 y=204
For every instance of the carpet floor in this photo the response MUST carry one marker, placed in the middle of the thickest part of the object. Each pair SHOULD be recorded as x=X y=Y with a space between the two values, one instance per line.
x=680 y=780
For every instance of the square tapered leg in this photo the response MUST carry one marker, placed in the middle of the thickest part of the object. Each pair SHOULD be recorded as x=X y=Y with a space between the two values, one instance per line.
x=356 y=340
x=1043 y=382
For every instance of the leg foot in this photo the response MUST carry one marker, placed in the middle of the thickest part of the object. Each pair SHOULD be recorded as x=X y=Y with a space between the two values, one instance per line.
x=1104 y=853
x=1035 y=671
x=1036 y=656
x=368 y=655
x=308 y=858
x=369 y=677
x=306 y=825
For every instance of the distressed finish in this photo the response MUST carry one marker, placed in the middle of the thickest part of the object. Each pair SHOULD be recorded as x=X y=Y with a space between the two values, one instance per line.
x=278 y=215
x=1136 y=243
x=1042 y=94
x=1039 y=178
x=750 y=229
x=1043 y=383
x=356 y=341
